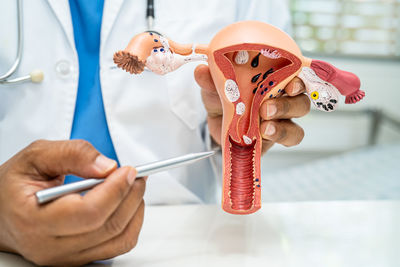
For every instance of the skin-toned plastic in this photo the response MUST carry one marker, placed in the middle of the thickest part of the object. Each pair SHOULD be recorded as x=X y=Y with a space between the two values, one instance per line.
x=250 y=62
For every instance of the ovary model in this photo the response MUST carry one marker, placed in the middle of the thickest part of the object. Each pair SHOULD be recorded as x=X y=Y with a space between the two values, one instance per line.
x=250 y=62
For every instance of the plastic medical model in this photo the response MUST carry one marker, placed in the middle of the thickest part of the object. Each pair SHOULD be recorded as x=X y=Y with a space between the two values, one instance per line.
x=249 y=62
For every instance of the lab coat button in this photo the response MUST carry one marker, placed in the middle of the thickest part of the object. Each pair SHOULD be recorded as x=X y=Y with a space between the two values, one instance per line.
x=63 y=68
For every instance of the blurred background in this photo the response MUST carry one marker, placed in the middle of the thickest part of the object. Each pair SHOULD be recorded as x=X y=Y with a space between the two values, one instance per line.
x=354 y=152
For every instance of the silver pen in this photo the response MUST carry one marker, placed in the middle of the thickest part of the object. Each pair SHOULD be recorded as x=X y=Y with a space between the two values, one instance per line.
x=46 y=195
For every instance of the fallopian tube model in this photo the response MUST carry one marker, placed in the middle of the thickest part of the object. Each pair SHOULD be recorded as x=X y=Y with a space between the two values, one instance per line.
x=250 y=62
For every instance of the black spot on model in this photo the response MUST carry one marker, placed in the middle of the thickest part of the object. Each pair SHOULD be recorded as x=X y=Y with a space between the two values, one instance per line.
x=268 y=72
x=255 y=78
x=255 y=61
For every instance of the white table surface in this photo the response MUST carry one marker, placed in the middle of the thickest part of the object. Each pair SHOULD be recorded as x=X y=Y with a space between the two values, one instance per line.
x=347 y=233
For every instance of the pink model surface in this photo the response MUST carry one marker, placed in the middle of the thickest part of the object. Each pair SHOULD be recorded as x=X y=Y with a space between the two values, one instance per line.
x=250 y=62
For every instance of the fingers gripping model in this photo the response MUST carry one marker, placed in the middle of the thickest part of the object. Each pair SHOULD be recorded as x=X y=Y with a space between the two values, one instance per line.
x=250 y=62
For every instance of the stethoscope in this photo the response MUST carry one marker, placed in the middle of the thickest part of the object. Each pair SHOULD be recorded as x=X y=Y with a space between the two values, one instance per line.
x=36 y=76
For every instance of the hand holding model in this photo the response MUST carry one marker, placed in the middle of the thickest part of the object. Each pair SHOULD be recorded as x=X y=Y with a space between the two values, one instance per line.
x=255 y=68
x=74 y=229
x=275 y=114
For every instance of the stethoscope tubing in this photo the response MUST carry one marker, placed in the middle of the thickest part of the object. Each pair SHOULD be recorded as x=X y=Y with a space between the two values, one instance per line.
x=35 y=76
x=18 y=80
x=13 y=69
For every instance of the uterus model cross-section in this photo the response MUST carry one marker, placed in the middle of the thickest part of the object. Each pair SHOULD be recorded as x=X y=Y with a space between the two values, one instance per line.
x=250 y=62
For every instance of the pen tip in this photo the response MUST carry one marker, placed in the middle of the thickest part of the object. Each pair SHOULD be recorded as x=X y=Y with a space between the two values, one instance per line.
x=208 y=153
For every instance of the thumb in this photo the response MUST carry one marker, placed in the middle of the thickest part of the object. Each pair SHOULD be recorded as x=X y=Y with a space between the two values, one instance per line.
x=209 y=93
x=54 y=158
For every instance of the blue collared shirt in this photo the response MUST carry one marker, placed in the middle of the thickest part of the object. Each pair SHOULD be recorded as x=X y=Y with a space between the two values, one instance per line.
x=90 y=121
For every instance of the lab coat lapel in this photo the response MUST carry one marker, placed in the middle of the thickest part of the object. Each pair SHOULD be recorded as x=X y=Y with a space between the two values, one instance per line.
x=110 y=12
x=62 y=11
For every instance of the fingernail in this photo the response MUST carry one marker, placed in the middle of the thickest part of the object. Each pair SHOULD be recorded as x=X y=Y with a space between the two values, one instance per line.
x=297 y=88
x=271 y=110
x=270 y=130
x=131 y=176
x=104 y=164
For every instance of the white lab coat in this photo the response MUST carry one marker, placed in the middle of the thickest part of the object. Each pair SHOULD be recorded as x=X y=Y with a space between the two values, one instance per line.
x=150 y=117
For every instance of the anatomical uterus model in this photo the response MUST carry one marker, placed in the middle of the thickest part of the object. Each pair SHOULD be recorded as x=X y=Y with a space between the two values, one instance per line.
x=250 y=62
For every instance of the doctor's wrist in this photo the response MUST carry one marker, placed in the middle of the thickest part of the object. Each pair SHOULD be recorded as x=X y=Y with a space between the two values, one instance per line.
x=5 y=245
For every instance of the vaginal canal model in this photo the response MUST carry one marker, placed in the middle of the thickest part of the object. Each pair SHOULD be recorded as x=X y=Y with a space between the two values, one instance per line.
x=250 y=62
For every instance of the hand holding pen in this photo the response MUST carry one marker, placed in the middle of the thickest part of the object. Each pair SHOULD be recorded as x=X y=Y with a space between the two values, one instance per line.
x=74 y=229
